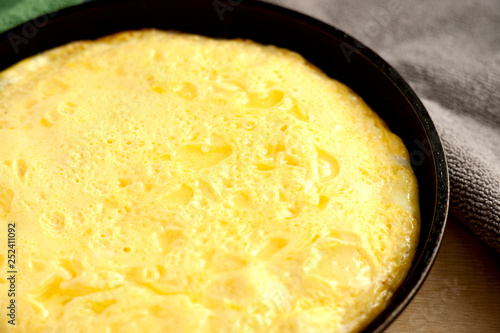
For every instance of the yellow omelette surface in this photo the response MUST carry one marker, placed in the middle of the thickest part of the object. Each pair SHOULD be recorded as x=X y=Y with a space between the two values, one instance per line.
x=166 y=182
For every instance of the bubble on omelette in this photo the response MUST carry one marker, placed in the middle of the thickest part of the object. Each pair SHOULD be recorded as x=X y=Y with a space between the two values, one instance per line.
x=167 y=182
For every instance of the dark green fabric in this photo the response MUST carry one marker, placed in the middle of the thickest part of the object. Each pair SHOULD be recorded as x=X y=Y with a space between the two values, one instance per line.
x=16 y=12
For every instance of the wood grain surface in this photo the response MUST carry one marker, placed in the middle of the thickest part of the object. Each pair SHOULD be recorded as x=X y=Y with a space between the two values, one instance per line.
x=462 y=291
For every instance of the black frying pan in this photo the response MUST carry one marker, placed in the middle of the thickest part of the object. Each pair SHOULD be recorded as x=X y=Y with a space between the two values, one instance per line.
x=336 y=53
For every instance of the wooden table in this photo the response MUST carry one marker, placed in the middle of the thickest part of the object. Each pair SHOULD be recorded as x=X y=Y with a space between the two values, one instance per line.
x=462 y=291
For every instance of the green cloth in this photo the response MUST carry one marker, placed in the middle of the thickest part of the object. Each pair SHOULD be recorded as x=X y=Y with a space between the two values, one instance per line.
x=16 y=12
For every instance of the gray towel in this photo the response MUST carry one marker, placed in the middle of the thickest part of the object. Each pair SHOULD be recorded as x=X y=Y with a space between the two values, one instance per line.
x=449 y=52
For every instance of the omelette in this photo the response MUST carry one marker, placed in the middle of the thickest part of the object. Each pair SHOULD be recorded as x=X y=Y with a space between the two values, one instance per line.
x=168 y=182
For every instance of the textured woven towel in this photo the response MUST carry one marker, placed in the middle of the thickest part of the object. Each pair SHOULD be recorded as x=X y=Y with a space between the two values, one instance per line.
x=15 y=12
x=449 y=52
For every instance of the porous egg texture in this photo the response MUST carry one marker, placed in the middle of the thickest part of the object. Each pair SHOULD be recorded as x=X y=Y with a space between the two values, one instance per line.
x=167 y=182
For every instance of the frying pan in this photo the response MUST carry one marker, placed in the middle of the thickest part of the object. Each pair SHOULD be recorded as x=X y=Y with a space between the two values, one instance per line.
x=336 y=53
